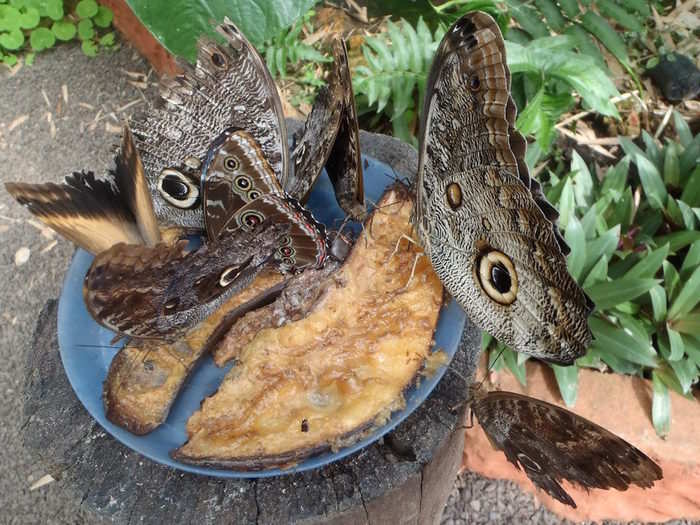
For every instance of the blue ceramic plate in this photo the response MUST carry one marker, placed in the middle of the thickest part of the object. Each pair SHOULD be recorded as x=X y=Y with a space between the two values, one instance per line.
x=86 y=354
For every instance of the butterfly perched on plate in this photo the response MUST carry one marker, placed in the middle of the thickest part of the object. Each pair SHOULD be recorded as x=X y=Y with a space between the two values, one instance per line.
x=97 y=213
x=488 y=230
x=551 y=444
x=227 y=93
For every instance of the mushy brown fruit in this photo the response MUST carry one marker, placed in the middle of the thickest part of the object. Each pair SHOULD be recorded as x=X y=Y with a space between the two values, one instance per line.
x=325 y=380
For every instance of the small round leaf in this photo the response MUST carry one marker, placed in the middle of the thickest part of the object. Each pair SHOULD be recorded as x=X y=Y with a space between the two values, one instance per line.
x=53 y=9
x=104 y=17
x=86 y=8
x=9 y=60
x=107 y=40
x=12 y=40
x=89 y=48
x=29 y=19
x=41 y=38
x=85 y=29
x=64 y=30
x=10 y=18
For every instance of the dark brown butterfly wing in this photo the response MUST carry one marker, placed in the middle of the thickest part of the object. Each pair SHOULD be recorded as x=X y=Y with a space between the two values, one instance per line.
x=344 y=165
x=552 y=444
x=331 y=137
x=96 y=213
x=162 y=291
x=235 y=173
x=305 y=244
x=483 y=222
x=230 y=86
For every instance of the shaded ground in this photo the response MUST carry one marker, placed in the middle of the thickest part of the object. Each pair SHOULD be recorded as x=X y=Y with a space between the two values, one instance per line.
x=46 y=131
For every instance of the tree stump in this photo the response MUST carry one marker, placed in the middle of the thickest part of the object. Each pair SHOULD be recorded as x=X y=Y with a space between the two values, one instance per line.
x=405 y=477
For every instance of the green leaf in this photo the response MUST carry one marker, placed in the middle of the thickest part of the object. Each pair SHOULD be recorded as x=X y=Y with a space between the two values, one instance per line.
x=51 y=8
x=653 y=152
x=259 y=20
x=688 y=324
x=86 y=8
x=601 y=29
x=567 y=379
x=29 y=19
x=688 y=296
x=104 y=17
x=678 y=240
x=567 y=203
x=614 y=12
x=687 y=373
x=107 y=40
x=583 y=182
x=64 y=30
x=692 y=259
x=658 y=303
x=671 y=280
x=652 y=182
x=586 y=44
x=552 y=15
x=41 y=38
x=10 y=18
x=89 y=48
x=29 y=58
x=621 y=344
x=660 y=406
x=9 y=60
x=570 y=8
x=676 y=345
x=603 y=246
x=598 y=273
x=528 y=18
x=672 y=170
x=685 y=136
x=650 y=264
x=86 y=31
x=616 y=177
x=608 y=294
x=691 y=189
x=576 y=239
x=12 y=40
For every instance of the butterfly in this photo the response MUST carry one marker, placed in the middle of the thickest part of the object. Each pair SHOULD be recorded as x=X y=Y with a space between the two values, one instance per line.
x=551 y=444
x=229 y=92
x=486 y=226
x=331 y=137
x=97 y=213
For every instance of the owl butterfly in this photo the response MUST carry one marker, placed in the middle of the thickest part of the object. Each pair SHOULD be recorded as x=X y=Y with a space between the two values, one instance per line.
x=489 y=232
x=228 y=89
x=97 y=213
x=551 y=444
x=331 y=137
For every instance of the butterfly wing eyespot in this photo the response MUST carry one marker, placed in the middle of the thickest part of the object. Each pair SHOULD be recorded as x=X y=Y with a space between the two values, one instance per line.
x=219 y=60
x=231 y=163
x=474 y=82
x=454 y=196
x=497 y=277
x=253 y=194
x=228 y=276
x=250 y=219
x=177 y=189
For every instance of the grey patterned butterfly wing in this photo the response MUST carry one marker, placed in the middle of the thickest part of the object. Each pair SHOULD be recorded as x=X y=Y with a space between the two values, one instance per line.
x=230 y=87
x=485 y=225
x=551 y=444
x=331 y=137
x=160 y=292
x=96 y=213
x=235 y=173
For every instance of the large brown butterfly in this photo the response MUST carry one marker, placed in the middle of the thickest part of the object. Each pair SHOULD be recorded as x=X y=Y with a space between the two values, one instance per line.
x=551 y=444
x=160 y=292
x=489 y=232
x=231 y=91
x=331 y=137
x=97 y=213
